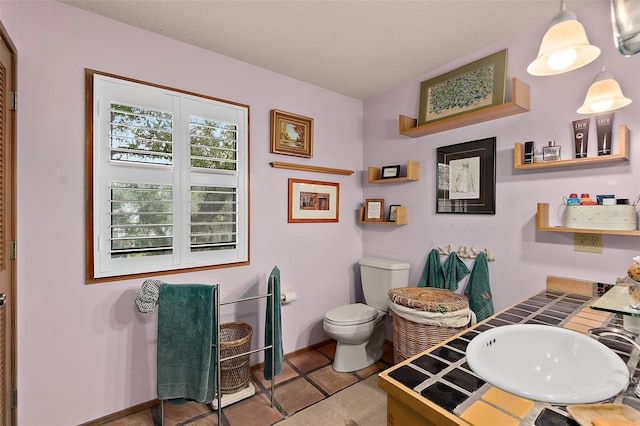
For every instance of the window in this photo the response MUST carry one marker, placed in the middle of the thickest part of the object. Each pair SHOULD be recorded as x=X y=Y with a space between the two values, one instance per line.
x=168 y=179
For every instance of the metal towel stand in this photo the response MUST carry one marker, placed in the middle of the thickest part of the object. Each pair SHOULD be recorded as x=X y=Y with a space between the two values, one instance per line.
x=217 y=304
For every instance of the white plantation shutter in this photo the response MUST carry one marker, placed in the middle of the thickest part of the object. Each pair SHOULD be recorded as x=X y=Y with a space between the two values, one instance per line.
x=169 y=179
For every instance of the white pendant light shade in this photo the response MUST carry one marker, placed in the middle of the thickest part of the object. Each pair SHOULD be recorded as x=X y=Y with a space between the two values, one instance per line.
x=603 y=95
x=564 y=48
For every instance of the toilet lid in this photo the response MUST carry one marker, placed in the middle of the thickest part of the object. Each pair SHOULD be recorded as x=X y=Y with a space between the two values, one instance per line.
x=356 y=313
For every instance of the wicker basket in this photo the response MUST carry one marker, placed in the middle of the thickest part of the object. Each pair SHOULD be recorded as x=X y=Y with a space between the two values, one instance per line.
x=411 y=338
x=235 y=338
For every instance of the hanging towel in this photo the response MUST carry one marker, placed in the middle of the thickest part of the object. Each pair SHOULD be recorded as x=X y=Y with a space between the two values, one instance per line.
x=186 y=332
x=454 y=271
x=147 y=298
x=432 y=275
x=478 y=290
x=275 y=324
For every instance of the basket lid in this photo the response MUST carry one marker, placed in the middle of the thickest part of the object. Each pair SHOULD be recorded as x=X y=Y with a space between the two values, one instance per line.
x=428 y=299
x=356 y=313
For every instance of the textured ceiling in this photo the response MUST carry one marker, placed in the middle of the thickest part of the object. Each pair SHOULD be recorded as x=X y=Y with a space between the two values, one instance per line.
x=358 y=48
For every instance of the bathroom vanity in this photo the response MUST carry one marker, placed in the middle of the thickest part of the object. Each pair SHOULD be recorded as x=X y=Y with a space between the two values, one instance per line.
x=438 y=388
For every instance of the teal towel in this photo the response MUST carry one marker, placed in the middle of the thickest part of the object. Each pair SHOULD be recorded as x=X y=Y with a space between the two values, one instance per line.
x=432 y=275
x=186 y=332
x=454 y=271
x=478 y=290
x=275 y=323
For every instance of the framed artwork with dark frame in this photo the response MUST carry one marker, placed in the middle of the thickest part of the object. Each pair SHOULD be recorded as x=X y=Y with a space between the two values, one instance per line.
x=390 y=172
x=313 y=201
x=466 y=177
x=374 y=210
x=472 y=87
x=291 y=134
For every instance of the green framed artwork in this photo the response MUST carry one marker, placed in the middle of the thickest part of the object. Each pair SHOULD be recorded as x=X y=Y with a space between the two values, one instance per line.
x=478 y=85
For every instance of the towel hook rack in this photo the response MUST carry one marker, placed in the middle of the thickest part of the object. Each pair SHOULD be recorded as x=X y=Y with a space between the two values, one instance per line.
x=465 y=252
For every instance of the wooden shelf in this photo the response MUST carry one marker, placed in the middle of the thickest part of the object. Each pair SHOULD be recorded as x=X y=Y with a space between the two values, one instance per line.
x=622 y=155
x=413 y=173
x=520 y=95
x=402 y=217
x=542 y=224
x=305 y=168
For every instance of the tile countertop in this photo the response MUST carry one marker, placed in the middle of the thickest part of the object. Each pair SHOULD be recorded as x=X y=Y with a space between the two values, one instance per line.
x=439 y=388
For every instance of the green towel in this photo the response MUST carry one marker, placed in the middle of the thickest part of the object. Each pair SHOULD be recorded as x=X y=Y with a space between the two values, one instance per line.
x=186 y=332
x=454 y=271
x=273 y=286
x=432 y=275
x=478 y=290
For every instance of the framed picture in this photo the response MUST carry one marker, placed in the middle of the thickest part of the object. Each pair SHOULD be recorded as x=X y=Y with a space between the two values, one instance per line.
x=475 y=86
x=291 y=134
x=466 y=181
x=390 y=172
x=313 y=201
x=374 y=210
x=392 y=212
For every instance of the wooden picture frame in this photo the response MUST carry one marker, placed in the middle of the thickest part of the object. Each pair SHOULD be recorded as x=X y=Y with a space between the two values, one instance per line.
x=313 y=201
x=390 y=172
x=291 y=134
x=392 y=212
x=475 y=86
x=466 y=177
x=374 y=210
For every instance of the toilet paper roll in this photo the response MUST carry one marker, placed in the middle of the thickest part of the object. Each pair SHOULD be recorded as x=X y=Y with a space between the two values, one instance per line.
x=288 y=296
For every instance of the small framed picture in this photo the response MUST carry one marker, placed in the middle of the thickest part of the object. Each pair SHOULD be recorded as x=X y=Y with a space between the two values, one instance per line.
x=390 y=172
x=374 y=210
x=291 y=134
x=392 y=212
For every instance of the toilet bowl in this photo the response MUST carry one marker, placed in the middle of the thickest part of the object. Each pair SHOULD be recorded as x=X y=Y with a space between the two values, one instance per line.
x=359 y=329
x=360 y=332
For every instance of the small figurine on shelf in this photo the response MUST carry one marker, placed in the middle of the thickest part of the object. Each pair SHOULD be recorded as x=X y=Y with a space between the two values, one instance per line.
x=634 y=270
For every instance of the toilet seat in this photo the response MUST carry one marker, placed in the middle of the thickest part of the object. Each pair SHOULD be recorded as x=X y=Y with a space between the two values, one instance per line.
x=357 y=313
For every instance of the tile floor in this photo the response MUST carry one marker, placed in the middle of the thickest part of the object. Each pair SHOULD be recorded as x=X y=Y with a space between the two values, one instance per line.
x=306 y=378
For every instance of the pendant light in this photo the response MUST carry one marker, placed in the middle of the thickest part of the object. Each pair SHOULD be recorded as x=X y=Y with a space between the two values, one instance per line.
x=564 y=47
x=603 y=95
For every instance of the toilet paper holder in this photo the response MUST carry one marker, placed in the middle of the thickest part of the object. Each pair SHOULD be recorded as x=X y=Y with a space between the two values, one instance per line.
x=288 y=295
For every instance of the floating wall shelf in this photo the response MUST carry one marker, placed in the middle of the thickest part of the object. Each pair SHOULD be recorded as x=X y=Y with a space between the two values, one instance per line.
x=542 y=224
x=520 y=95
x=402 y=217
x=413 y=173
x=305 y=168
x=622 y=155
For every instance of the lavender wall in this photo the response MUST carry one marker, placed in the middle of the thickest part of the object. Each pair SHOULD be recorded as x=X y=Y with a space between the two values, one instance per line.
x=85 y=347
x=84 y=352
x=524 y=257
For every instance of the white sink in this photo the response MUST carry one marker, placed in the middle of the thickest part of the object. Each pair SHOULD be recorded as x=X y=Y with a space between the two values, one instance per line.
x=549 y=364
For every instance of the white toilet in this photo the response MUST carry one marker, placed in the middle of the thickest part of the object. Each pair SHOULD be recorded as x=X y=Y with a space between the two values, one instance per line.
x=359 y=329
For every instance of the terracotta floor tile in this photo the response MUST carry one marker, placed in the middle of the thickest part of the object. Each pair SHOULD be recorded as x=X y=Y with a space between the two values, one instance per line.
x=296 y=395
x=141 y=418
x=177 y=413
x=288 y=373
x=309 y=361
x=254 y=411
x=331 y=381
x=329 y=350
x=372 y=369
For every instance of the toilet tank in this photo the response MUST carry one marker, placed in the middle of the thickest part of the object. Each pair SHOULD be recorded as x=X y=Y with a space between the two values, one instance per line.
x=380 y=275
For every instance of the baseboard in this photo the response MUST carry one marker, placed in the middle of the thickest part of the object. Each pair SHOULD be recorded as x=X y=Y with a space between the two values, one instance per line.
x=123 y=413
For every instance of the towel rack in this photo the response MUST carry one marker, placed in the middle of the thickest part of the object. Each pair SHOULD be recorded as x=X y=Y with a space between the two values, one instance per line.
x=465 y=252
x=217 y=305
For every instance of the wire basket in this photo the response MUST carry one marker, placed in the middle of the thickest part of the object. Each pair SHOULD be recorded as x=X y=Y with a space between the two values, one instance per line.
x=235 y=338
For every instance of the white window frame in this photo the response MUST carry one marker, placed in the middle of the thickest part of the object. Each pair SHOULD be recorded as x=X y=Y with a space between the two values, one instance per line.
x=102 y=90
